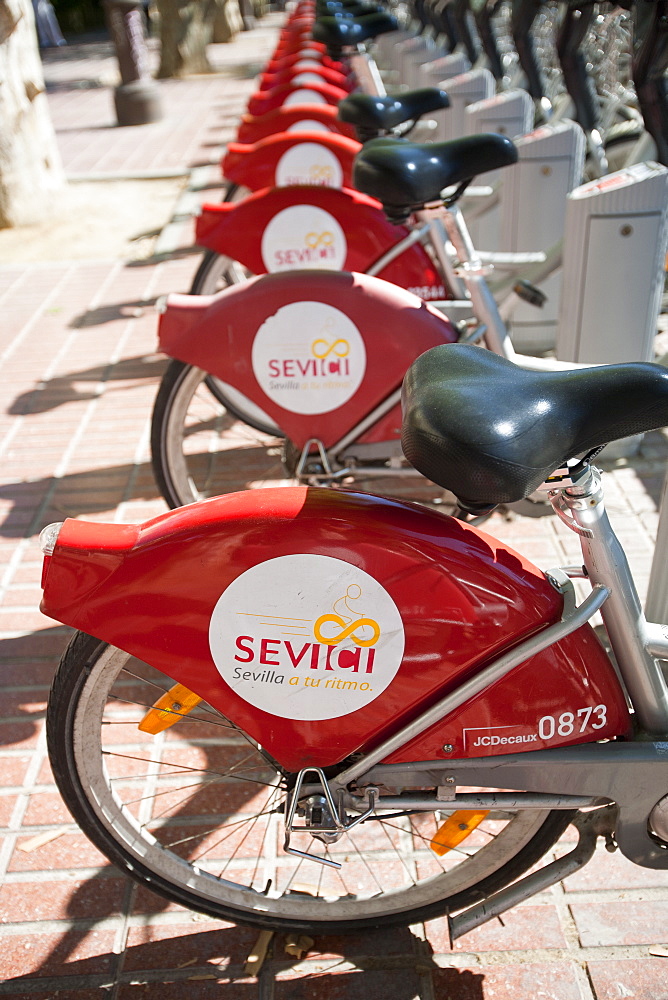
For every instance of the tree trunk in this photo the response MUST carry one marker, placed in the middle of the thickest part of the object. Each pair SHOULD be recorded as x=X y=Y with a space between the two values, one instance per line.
x=186 y=28
x=227 y=22
x=31 y=173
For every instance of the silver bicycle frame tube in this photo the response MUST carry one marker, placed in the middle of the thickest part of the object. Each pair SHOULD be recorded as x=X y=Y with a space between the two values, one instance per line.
x=368 y=75
x=636 y=644
x=375 y=415
x=397 y=249
x=494 y=672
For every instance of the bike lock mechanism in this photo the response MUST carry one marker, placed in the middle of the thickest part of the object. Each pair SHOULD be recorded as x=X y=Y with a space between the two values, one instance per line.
x=325 y=819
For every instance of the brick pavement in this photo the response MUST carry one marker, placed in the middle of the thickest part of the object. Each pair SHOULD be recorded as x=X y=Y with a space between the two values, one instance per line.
x=78 y=376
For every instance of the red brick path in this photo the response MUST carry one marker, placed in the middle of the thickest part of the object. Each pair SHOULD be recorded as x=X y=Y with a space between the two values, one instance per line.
x=78 y=376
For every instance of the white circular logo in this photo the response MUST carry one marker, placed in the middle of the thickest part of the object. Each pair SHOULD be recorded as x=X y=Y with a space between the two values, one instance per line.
x=304 y=96
x=309 y=357
x=304 y=78
x=305 y=64
x=307 y=53
x=306 y=637
x=307 y=125
x=309 y=163
x=303 y=236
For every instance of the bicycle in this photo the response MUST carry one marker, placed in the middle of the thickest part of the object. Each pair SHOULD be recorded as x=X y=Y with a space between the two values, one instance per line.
x=351 y=712
x=331 y=434
x=194 y=429
x=310 y=156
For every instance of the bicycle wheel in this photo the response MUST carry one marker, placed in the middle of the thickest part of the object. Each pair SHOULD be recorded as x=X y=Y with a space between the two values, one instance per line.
x=199 y=447
x=236 y=192
x=215 y=273
x=196 y=814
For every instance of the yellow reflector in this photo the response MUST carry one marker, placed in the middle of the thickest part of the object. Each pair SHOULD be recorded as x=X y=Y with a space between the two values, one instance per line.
x=456 y=828
x=168 y=709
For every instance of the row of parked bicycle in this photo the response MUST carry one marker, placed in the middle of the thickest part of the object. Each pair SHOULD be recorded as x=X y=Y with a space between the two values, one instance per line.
x=369 y=206
x=602 y=63
x=417 y=706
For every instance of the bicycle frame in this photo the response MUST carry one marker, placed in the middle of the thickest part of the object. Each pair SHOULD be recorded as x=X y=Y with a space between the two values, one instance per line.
x=95 y=570
x=366 y=71
x=375 y=314
x=273 y=230
x=624 y=772
x=366 y=444
x=454 y=624
x=589 y=775
x=434 y=255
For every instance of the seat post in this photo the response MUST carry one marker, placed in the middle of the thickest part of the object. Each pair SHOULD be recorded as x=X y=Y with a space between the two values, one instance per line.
x=622 y=613
x=472 y=273
x=366 y=70
x=438 y=238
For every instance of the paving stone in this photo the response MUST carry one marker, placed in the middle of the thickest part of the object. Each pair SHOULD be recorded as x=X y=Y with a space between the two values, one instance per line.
x=400 y=984
x=70 y=898
x=79 y=370
x=642 y=979
x=175 y=946
x=621 y=922
x=42 y=955
x=544 y=980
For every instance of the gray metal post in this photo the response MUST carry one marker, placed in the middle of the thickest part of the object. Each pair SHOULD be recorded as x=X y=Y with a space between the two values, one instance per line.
x=656 y=609
x=136 y=99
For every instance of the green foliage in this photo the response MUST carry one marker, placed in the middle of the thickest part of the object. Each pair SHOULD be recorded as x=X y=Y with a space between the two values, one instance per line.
x=76 y=17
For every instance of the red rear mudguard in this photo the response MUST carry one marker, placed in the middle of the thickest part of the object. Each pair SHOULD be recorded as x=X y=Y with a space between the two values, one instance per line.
x=323 y=159
x=316 y=350
x=296 y=36
x=280 y=229
x=312 y=52
x=263 y=101
x=321 y=622
x=303 y=76
x=290 y=118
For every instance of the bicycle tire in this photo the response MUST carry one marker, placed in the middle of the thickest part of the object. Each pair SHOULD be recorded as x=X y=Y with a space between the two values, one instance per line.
x=231 y=192
x=193 y=438
x=236 y=192
x=215 y=273
x=216 y=849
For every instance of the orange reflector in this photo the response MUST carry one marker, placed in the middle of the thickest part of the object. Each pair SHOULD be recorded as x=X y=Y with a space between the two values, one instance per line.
x=456 y=828
x=168 y=709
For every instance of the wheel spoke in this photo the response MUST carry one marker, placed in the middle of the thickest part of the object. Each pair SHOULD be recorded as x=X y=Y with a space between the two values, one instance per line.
x=199 y=445
x=202 y=817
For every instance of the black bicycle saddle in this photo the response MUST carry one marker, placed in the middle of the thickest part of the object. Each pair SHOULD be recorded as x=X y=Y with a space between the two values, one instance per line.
x=405 y=175
x=336 y=32
x=349 y=8
x=490 y=432
x=371 y=115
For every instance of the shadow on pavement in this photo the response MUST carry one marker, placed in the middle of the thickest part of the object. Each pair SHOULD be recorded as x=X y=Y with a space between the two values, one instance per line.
x=64 y=388
x=394 y=964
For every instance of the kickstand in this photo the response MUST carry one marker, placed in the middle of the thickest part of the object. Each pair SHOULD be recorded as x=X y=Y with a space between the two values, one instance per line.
x=591 y=825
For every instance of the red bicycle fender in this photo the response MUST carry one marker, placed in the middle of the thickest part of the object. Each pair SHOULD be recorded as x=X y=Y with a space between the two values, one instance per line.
x=304 y=76
x=381 y=329
x=324 y=159
x=289 y=118
x=261 y=102
x=314 y=51
x=280 y=229
x=206 y=593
